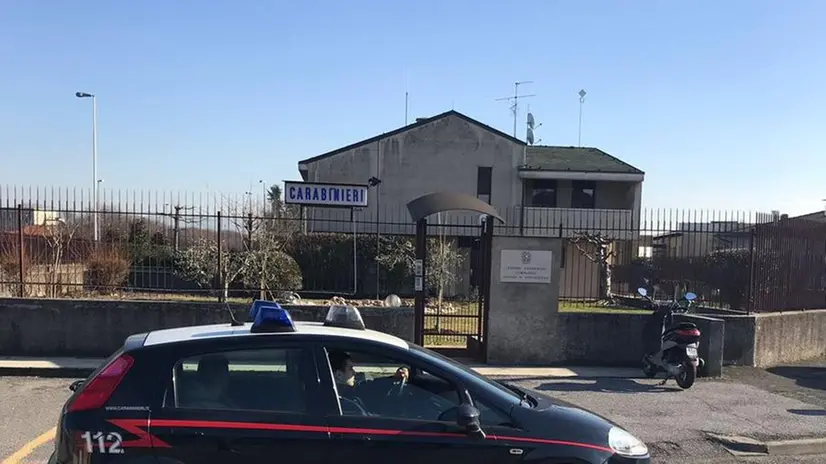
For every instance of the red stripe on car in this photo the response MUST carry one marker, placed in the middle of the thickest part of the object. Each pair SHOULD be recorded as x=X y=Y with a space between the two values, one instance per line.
x=349 y=431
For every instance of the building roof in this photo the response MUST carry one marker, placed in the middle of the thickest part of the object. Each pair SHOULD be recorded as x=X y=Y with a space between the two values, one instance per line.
x=539 y=157
x=586 y=159
x=419 y=122
x=817 y=216
x=159 y=337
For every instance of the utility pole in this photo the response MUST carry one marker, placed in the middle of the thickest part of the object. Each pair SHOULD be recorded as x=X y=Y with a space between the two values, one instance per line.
x=176 y=223
x=515 y=99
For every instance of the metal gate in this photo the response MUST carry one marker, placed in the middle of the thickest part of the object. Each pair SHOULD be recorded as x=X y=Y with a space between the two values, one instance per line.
x=458 y=268
x=456 y=328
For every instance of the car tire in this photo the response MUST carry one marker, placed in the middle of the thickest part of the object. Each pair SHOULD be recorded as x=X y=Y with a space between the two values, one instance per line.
x=689 y=373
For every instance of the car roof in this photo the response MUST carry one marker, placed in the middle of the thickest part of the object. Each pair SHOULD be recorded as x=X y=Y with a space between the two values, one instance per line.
x=200 y=332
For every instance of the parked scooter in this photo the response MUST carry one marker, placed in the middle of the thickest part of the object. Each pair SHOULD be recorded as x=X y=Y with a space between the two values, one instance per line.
x=671 y=347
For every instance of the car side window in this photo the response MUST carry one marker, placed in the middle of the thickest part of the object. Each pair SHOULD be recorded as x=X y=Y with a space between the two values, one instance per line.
x=259 y=380
x=368 y=385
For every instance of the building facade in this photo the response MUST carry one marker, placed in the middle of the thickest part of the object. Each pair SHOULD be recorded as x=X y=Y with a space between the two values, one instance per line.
x=541 y=191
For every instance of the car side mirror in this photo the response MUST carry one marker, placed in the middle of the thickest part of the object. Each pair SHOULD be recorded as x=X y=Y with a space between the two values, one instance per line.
x=467 y=417
x=75 y=385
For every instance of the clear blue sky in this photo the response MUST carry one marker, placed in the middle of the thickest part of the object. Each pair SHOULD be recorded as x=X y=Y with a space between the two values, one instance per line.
x=720 y=103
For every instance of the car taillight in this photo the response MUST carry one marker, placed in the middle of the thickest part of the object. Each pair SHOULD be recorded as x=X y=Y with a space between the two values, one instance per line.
x=689 y=332
x=99 y=389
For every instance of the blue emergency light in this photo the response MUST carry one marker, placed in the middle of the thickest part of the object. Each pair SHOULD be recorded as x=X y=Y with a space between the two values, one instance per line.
x=269 y=316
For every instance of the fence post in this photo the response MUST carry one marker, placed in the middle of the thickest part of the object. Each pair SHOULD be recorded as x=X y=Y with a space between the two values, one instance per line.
x=220 y=272
x=20 y=251
x=176 y=231
x=750 y=301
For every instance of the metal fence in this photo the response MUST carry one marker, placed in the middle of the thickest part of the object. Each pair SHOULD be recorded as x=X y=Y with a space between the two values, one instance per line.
x=56 y=243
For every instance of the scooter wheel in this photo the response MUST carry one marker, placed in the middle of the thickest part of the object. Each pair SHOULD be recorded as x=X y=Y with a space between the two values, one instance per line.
x=649 y=370
x=685 y=379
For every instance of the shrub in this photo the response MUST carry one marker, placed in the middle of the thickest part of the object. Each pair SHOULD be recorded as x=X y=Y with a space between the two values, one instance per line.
x=722 y=274
x=106 y=270
x=276 y=271
x=10 y=265
x=727 y=271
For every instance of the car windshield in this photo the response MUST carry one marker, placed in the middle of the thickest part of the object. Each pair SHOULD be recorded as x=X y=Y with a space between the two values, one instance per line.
x=505 y=392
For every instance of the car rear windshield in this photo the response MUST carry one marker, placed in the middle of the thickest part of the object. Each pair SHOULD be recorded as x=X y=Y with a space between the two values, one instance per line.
x=476 y=380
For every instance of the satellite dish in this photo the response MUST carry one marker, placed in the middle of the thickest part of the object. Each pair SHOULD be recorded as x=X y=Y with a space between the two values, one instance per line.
x=530 y=136
x=531 y=121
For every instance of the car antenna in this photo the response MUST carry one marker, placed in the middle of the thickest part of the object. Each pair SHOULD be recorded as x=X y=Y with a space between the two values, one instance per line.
x=233 y=321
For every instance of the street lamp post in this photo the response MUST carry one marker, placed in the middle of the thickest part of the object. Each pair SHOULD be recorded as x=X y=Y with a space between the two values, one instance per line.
x=96 y=231
x=264 y=194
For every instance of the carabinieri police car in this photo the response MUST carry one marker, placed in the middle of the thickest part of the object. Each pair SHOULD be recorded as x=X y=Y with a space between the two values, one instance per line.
x=274 y=390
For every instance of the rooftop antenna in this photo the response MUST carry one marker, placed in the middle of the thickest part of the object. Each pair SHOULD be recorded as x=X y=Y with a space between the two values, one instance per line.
x=582 y=94
x=532 y=126
x=529 y=136
x=233 y=322
x=515 y=98
x=406 y=99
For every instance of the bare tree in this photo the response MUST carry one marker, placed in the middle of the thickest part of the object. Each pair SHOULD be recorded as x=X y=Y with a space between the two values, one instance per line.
x=259 y=261
x=443 y=262
x=59 y=234
x=199 y=263
x=597 y=249
x=270 y=268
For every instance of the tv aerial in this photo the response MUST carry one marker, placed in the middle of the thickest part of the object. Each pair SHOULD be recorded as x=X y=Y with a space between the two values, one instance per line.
x=515 y=99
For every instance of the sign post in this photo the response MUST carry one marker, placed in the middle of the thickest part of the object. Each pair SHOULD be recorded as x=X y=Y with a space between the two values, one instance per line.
x=329 y=195
x=325 y=195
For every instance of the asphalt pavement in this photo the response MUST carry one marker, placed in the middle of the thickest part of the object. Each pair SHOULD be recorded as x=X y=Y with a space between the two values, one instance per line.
x=676 y=423
x=29 y=408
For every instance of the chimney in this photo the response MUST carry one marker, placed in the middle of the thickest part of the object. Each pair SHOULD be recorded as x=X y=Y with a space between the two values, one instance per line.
x=775 y=215
x=421 y=119
x=784 y=216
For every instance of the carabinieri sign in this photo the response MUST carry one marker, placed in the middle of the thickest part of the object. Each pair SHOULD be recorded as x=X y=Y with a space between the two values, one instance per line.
x=337 y=195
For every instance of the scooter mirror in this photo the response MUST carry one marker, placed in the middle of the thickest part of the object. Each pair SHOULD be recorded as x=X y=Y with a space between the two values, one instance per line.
x=690 y=296
x=642 y=291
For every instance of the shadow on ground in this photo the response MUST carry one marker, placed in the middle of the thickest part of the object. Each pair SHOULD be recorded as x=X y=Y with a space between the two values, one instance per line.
x=804 y=376
x=607 y=385
x=808 y=412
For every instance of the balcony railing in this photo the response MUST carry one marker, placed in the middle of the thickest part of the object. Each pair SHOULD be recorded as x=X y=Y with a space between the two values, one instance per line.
x=567 y=222
x=525 y=221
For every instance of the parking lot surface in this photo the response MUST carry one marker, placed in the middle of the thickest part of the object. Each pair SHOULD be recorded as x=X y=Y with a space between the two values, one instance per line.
x=674 y=422
x=670 y=420
x=29 y=407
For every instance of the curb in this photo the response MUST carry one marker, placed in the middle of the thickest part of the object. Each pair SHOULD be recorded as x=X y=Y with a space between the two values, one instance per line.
x=748 y=446
x=797 y=447
x=51 y=372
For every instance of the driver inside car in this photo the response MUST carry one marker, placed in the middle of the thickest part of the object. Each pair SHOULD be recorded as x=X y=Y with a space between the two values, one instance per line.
x=345 y=377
